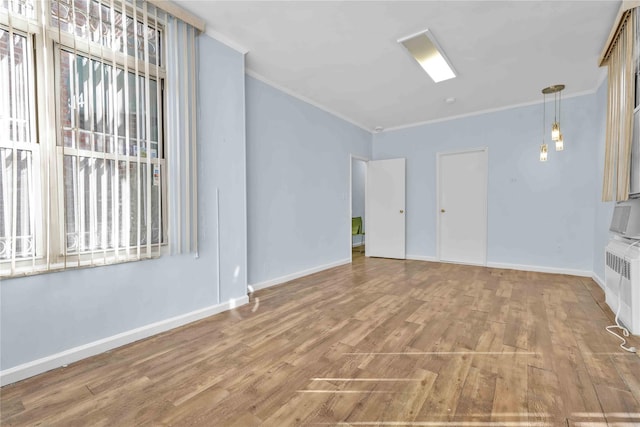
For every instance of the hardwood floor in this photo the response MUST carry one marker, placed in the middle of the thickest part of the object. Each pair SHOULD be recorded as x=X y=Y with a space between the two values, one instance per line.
x=375 y=343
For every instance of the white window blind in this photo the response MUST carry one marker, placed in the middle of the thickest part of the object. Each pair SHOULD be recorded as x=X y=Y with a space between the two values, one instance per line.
x=621 y=84
x=86 y=128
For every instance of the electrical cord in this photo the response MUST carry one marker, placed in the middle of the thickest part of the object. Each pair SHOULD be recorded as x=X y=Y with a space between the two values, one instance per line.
x=625 y=331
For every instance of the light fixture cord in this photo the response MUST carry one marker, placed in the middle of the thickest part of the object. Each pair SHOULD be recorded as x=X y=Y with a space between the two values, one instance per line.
x=555 y=107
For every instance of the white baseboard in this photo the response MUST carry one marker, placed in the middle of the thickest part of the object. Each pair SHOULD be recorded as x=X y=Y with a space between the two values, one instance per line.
x=599 y=281
x=541 y=269
x=421 y=258
x=66 y=357
x=522 y=267
x=292 y=276
x=355 y=245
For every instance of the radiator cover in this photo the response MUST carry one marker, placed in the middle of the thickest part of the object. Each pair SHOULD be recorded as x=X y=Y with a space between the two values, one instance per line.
x=620 y=260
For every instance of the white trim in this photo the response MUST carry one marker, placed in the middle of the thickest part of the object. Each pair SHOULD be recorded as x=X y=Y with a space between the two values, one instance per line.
x=350 y=202
x=218 y=297
x=226 y=41
x=296 y=275
x=599 y=281
x=303 y=98
x=541 y=269
x=421 y=258
x=474 y=264
x=356 y=157
x=245 y=218
x=353 y=157
x=29 y=369
x=487 y=111
x=520 y=267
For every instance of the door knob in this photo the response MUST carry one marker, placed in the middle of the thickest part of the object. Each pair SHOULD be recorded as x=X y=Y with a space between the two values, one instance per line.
x=401 y=211
x=442 y=210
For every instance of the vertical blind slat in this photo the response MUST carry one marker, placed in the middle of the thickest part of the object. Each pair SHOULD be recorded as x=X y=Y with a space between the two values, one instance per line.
x=116 y=126
x=14 y=151
x=148 y=136
x=185 y=130
x=194 y=137
x=159 y=124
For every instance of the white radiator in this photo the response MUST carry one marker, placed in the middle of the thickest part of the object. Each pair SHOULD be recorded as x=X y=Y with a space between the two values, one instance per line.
x=621 y=260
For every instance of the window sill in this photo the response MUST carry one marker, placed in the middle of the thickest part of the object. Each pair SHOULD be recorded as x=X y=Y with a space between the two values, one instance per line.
x=39 y=265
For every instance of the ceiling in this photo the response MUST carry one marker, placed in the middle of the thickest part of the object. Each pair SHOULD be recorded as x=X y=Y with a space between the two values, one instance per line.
x=344 y=56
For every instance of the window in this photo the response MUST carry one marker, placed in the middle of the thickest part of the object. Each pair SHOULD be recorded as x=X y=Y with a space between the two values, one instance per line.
x=112 y=191
x=82 y=132
x=18 y=147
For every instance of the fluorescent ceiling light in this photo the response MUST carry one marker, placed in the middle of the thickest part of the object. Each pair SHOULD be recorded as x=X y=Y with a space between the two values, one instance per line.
x=424 y=48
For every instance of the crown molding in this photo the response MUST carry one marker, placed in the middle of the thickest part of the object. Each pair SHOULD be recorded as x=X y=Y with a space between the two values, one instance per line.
x=481 y=112
x=303 y=98
x=226 y=41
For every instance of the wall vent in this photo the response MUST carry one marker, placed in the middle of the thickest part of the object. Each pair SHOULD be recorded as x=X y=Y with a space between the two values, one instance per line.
x=619 y=265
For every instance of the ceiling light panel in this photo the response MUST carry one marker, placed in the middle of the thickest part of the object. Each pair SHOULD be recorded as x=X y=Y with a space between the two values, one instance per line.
x=424 y=48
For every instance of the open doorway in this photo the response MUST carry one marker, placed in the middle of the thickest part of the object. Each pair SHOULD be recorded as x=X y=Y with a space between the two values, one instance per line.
x=358 y=220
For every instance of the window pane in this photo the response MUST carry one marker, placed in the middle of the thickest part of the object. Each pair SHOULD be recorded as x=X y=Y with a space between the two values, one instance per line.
x=14 y=88
x=20 y=189
x=66 y=97
x=87 y=97
x=156 y=204
x=25 y=8
x=15 y=127
x=91 y=208
x=92 y=21
x=88 y=209
x=70 y=198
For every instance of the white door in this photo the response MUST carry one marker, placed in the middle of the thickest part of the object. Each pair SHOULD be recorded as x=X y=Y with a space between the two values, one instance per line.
x=385 y=235
x=462 y=206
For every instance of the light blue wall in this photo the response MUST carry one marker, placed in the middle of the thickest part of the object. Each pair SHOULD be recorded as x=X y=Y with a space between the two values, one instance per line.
x=358 y=174
x=223 y=152
x=540 y=214
x=297 y=183
x=603 y=210
x=49 y=313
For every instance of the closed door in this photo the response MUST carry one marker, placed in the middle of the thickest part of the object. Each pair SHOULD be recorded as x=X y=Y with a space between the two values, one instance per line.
x=462 y=207
x=385 y=204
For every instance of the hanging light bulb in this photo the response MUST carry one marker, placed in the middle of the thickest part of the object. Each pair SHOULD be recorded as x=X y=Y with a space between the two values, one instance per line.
x=560 y=143
x=543 y=152
x=556 y=135
x=555 y=131
x=543 y=147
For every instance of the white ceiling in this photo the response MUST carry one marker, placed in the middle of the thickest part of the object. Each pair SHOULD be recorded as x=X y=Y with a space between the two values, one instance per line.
x=344 y=56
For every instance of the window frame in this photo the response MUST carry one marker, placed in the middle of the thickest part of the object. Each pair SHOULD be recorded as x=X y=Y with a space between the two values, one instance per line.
x=33 y=146
x=45 y=44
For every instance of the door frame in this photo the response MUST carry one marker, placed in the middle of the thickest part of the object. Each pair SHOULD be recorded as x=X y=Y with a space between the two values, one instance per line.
x=439 y=156
x=353 y=157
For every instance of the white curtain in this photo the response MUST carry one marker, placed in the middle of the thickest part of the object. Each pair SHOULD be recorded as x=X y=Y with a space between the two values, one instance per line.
x=181 y=140
x=621 y=86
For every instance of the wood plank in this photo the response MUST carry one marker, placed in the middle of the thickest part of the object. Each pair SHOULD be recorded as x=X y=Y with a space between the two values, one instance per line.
x=378 y=341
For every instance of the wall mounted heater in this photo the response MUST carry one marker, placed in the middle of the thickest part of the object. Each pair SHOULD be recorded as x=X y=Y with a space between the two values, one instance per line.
x=622 y=276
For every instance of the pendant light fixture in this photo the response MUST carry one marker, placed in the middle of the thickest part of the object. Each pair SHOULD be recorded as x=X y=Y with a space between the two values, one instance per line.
x=556 y=133
x=543 y=147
